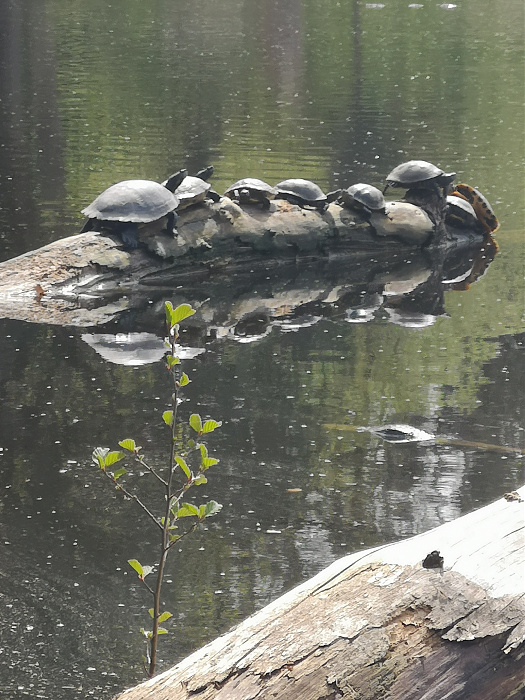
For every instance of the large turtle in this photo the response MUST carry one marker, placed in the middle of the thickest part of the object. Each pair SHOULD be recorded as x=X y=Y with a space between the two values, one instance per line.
x=123 y=206
x=419 y=174
x=193 y=189
x=250 y=190
x=480 y=204
x=305 y=193
x=362 y=197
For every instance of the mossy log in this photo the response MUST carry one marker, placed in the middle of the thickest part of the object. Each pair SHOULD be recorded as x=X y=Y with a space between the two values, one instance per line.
x=377 y=624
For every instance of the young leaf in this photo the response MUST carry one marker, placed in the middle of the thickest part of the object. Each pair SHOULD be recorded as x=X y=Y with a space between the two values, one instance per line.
x=208 y=462
x=174 y=538
x=165 y=616
x=211 y=508
x=113 y=458
x=182 y=464
x=129 y=445
x=172 y=361
x=150 y=612
x=175 y=316
x=99 y=456
x=146 y=571
x=184 y=380
x=120 y=472
x=195 y=422
x=187 y=509
x=161 y=630
x=201 y=479
x=137 y=566
x=146 y=633
x=210 y=426
x=167 y=417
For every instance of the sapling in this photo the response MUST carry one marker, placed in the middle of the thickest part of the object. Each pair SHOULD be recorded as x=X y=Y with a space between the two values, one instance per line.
x=187 y=463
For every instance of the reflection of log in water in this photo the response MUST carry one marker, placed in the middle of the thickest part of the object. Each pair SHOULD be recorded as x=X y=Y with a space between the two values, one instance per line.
x=406 y=433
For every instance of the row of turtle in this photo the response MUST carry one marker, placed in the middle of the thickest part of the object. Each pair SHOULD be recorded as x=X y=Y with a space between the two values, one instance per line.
x=124 y=206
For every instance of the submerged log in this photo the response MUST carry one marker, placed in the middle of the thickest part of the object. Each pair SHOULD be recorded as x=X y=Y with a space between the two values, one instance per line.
x=378 y=624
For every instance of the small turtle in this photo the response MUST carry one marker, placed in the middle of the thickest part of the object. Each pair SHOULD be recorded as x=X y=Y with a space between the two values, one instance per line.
x=418 y=174
x=193 y=189
x=434 y=560
x=250 y=190
x=305 y=193
x=363 y=198
x=123 y=206
x=482 y=208
x=461 y=212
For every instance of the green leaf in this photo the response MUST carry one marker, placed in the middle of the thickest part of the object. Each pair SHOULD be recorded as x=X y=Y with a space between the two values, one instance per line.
x=210 y=426
x=174 y=316
x=187 y=509
x=167 y=417
x=146 y=571
x=184 y=380
x=129 y=445
x=209 y=462
x=165 y=616
x=201 y=479
x=174 y=538
x=146 y=633
x=161 y=630
x=191 y=444
x=120 y=472
x=211 y=508
x=195 y=422
x=99 y=455
x=182 y=464
x=113 y=458
x=172 y=361
x=137 y=566
x=151 y=612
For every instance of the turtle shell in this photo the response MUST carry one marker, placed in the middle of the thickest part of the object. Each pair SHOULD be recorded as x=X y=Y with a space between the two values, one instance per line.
x=191 y=191
x=416 y=171
x=480 y=204
x=460 y=210
x=136 y=201
x=305 y=190
x=253 y=189
x=362 y=195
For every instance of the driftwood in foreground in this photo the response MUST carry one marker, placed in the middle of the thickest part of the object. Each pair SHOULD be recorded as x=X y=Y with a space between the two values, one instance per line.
x=376 y=624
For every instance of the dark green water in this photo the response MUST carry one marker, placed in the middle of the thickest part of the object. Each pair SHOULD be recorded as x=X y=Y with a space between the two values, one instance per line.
x=92 y=93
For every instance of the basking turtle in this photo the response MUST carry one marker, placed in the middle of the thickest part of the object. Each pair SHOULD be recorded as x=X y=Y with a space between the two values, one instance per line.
x=419 y=174
x=363 y=198
x=305 y=193
x=482 y=208
x=123 y=206
x=461 y=212
x=193 y=189
x=250 y=190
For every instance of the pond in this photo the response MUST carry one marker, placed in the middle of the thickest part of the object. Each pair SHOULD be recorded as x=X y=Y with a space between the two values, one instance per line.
x=92 y=93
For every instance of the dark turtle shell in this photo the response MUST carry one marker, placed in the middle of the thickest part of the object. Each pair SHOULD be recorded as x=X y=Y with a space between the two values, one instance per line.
x=304 y=190
x=460 y=211
x=250 y=189
x=417 y=172
x=362 y=195
x=480 y=204
x=134 y=201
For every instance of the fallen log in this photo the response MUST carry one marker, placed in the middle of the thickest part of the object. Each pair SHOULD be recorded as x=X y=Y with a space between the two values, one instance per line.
x=378 y=624
x=82 y=280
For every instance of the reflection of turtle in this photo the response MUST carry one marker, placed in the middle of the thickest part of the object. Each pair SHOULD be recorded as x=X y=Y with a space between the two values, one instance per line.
x=250 y=190
x=305 y=193
x=195 y=189
x=418 y=174
x=482 y=208
x=460 y=212
x=363 y=197
x=122 y=207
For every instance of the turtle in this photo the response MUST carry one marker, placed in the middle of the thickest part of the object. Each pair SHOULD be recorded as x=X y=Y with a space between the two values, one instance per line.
x=193 y=189
x=305 y=193
x=419 y=174
x=363 y=197
x=460 y=211
x=250 y=190
x=123 y=206
x=481 y=206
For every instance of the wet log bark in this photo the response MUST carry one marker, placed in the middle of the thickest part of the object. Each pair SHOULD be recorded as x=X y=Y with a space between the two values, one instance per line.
x=376 y=624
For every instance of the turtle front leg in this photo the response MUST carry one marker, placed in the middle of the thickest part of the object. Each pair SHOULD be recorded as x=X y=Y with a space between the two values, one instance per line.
x=129 y=235
x=171 y=221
